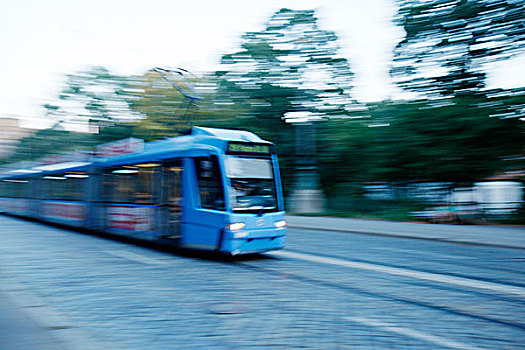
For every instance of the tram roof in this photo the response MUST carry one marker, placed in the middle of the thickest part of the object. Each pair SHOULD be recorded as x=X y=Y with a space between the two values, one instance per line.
x=62 y=166
x=201 y=140
x=227 y=134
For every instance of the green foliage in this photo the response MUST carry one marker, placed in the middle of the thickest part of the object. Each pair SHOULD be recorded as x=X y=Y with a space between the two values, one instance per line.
x=292 y=65
x=93 y=97
x=168 y=110
x=45 y=142
x=458 y=142
x=294 y=54
x=448 y=41
x=419 y=141
x=54 y=141
x=362 y=207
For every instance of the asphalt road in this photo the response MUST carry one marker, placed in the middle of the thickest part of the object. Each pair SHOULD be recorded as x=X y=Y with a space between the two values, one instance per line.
x=328 y=289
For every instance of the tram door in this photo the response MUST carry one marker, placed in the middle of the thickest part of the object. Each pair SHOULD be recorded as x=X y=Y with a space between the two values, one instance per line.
x=172 y=199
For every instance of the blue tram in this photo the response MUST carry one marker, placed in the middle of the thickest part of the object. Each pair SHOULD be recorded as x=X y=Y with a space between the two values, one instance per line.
x=213 y=189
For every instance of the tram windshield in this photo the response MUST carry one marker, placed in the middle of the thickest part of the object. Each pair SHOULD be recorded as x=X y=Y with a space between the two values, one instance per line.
x=252 y=184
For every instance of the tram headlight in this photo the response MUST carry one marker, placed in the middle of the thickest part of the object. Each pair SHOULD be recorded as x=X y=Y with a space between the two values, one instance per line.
x=280 y=224
x=236 y=226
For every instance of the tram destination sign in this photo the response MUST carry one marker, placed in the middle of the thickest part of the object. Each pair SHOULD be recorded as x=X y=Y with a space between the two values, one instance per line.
x=249 y=148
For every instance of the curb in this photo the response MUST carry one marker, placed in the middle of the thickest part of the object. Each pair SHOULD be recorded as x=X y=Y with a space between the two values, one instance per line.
x=400 y=235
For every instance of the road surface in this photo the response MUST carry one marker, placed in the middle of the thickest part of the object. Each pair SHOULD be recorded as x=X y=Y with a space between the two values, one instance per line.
x=328 y=289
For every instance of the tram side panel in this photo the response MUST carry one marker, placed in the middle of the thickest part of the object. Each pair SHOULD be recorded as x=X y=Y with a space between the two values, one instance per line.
x=129 y=219
x=15 y=206
x=64 y=212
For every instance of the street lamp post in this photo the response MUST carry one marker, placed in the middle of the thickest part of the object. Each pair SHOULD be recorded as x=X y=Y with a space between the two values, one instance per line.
x=306 y=195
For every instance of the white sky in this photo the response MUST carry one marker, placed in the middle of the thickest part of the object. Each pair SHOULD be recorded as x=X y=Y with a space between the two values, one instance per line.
x=41 y=41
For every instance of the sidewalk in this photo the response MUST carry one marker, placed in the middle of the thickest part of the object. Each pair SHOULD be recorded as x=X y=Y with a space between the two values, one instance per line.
x=19 y=331
x=487 y=235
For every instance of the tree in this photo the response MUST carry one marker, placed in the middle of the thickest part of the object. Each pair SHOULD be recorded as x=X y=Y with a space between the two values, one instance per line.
x=464 y=131
x=448 y=41
x=292 y=53
x=93 y=97
x=425 y=141
x=292 y=65
x=171 y=105
x=48 y=141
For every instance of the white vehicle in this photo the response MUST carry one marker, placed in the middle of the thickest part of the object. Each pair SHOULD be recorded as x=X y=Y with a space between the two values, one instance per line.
x=499 y=197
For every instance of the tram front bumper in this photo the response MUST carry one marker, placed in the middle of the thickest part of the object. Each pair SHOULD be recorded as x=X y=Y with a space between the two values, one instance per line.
x=254 y=242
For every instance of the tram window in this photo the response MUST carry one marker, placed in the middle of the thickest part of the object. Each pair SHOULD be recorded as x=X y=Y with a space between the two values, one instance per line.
x=109 y=187
x=19 y=189
x=121 y=186
x=252 y=184
x=13 y=185
x=68 y=190
x=46 y=188
x=146 y=185
x=15 y=188
x=132 y=184
x=172 y=182
x=74 y=185
x=25 y=188
x=5 y=188
x=210 y=183
x=11 y=188
x=65 y=186
x=55 y=186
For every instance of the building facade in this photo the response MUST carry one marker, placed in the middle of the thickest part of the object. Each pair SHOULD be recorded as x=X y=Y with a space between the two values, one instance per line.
x=10 y=134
